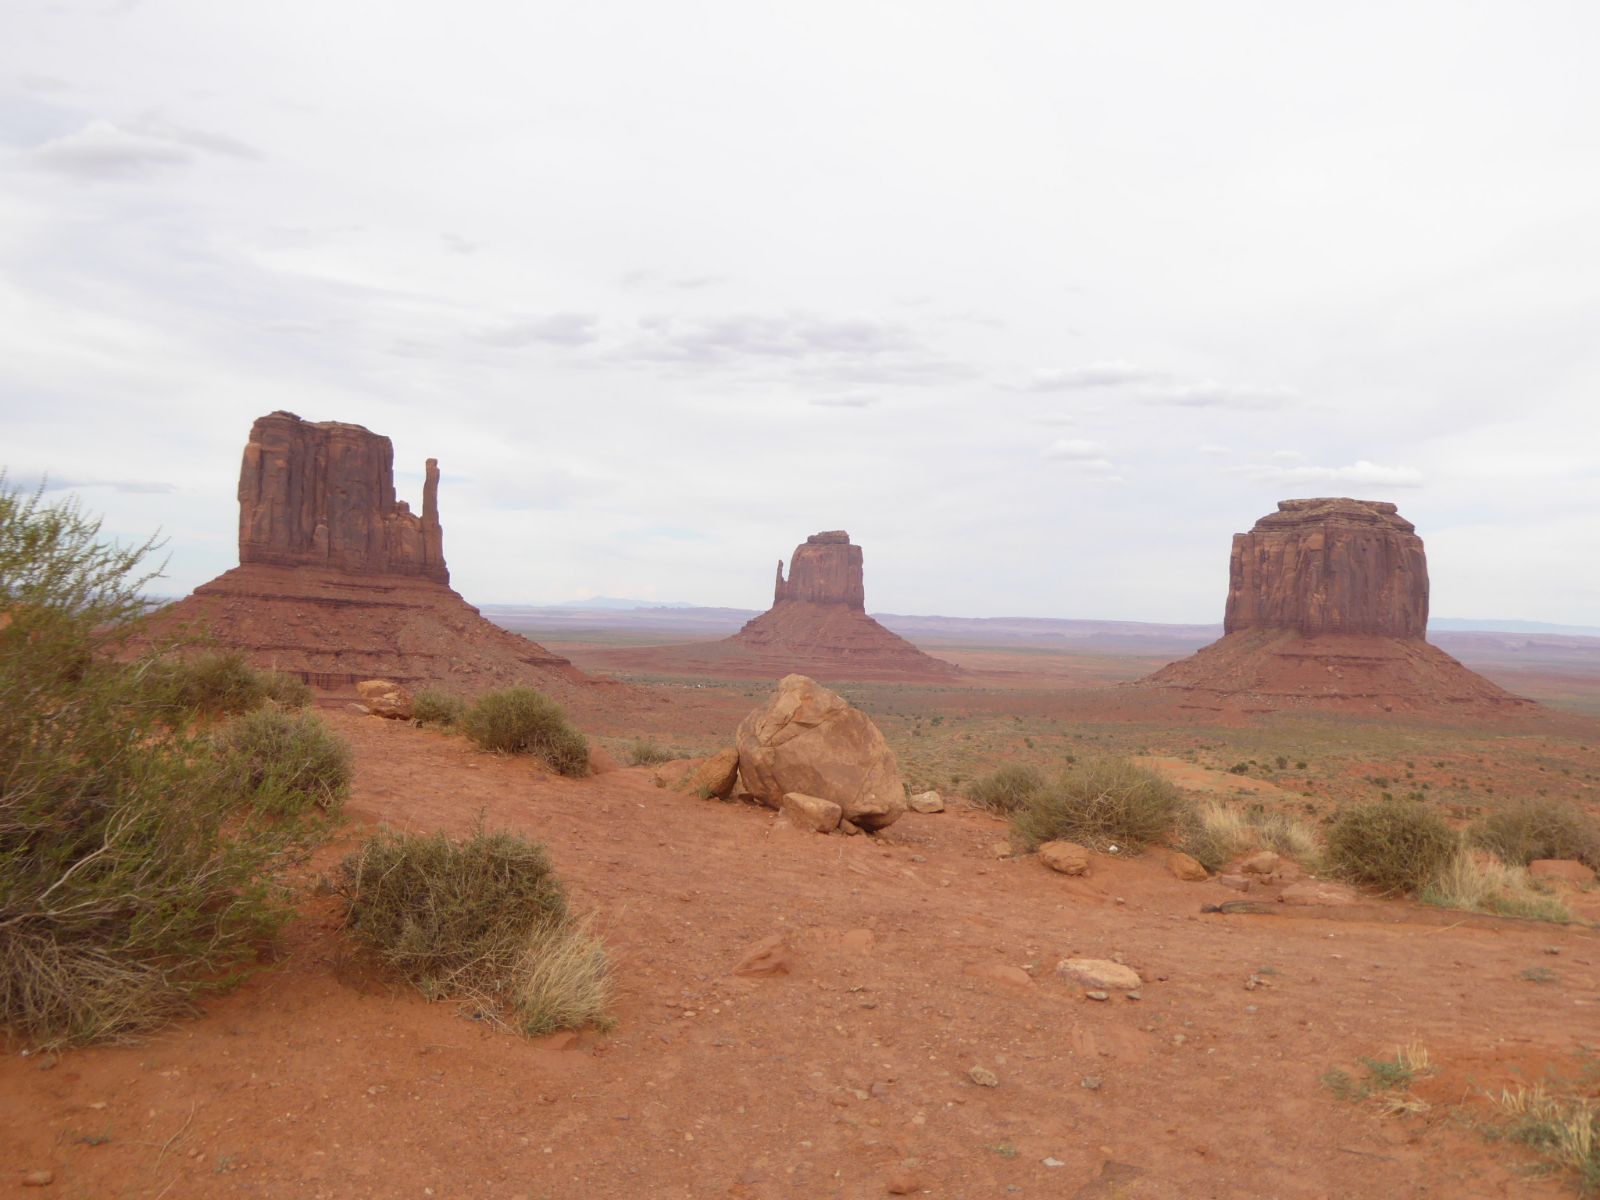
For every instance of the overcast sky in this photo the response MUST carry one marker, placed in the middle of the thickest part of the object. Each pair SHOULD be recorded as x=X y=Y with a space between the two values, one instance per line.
x=1041 y=301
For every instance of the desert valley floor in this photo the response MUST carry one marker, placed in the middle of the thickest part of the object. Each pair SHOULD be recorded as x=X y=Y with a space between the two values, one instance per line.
x=913 y=956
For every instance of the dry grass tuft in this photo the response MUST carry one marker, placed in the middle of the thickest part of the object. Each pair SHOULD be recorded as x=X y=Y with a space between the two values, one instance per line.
x=1105 y=803
x=1479 y=882
x=1565 y=1131
x=522 y=721
x=1005 y=790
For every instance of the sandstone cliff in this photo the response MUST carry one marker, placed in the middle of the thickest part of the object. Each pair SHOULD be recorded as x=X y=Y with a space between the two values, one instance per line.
x=825 y=569
x=321 y=494
x=1329 y=566
x=1328 y=608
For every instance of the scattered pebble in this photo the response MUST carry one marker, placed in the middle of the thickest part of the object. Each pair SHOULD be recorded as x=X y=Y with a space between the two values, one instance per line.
x=1091 y=1082
x=38 y=1179
x=1054 y=1162
x=983 y=1077
x=1097 y=995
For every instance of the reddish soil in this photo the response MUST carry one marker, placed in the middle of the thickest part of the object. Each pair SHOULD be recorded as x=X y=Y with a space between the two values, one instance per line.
x=319 y=1078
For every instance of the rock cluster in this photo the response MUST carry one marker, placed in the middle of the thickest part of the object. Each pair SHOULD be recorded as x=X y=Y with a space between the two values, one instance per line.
x=1329 y=566
x=321 y=494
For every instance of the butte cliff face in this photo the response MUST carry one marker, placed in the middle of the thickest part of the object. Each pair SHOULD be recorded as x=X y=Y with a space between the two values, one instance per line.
x=338 y=581
x=825 y=569
x=321 y=494
x=1330 y=566
x=1328 y=608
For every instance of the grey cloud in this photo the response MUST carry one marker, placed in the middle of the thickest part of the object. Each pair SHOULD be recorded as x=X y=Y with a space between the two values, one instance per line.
x=1359 y=472
x=1210 y=394
x=209 y=141
x=66 y=483
x=1074 y=450
x=557 y=329
x=1095 y=375
x=644 y=277
x=101 y=151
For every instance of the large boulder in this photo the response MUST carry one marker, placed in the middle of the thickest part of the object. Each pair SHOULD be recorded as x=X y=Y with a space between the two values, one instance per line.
x=810 y=740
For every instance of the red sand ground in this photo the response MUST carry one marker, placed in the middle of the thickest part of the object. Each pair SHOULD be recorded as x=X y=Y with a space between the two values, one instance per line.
x=319 y=1079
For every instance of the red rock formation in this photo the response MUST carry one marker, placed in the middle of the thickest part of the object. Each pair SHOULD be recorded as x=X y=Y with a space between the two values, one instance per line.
x=817 y=626
x=339 y=582
x=1328 y=608
x=825 y=569
x=1329 y=566
x=321 y=494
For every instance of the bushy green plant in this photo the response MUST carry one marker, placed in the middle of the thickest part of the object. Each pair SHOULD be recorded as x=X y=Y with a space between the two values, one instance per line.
x=1533 y=829
x=1391 y=845
x=1005 y=790
x=522 y=721
x=434 y=707
x=285 y=764
x=220 y=683
x=484 y=917
x=130 y=877
x=1103 y=803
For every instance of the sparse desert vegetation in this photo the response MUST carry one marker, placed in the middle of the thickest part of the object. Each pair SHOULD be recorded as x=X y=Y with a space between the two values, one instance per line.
x=1393 y=846
x=1101 y=804
x=522 y=721
x=434 y=706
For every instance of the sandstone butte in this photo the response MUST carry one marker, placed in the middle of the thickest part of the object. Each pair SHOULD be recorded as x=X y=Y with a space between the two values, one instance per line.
x=338 y=581
x=1328 y=608
x=817 y=626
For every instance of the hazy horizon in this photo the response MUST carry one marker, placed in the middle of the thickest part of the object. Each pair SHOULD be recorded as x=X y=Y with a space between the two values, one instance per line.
x=1041 y=303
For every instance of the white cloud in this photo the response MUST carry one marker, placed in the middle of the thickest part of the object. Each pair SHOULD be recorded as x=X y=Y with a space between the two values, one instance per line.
x=1213 y=450
x=1361 y=472
x=1211 y=394
x=1095 y=375
x=556 y=329
x=1074 y=450
x=848 y=400
x=101 y=150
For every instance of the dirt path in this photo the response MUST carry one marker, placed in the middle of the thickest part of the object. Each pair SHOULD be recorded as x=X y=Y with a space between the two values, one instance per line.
x=318 y=1080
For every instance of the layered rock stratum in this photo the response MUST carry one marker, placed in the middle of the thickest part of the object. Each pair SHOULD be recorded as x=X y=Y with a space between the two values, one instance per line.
x=339 y=581
x=1328 y=607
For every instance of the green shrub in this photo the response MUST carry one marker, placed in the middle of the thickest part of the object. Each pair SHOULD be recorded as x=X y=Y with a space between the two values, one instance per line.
x=1099 y=804
x=1005 y=790
x=286 y=764
x=648 y=753
x=130 y=877
x=1391 y=845
x=521 y=721
x=484 y=918
x=1534 y=829
x=219 y=683
x=433 y=707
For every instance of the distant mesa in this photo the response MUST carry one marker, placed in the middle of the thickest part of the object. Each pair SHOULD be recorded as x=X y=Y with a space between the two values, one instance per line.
x=817 y=626
x=1328 y=607
x=338 y=581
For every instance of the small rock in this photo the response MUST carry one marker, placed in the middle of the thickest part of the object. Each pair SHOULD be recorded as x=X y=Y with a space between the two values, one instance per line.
x=1263 y=862
x=848 y=828
x=904 y=1183
x=714 y=778
x=38 y=1179
x=810 y=812
x=1000 y=849
x=1053 y=1162
x=1239 y=883
x=1135 y=996
x=1186 y=868
x=1091 y=1082
x=386 y=699
x=983 y=1077
x=927 y=802
x=1100 y=973
x=769 y=956
x=1067 y=857
x=1097 y=995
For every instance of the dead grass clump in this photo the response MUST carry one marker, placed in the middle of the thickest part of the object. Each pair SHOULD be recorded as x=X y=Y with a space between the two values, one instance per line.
x=1564 y=1130
x=1100 y=804
x=484 y=918
x=1479 y=882
x=1005 y=790
x=1215 y=834
x=1391 y=845
x=522 y=721
x=1535 y=829
x=646 y=752
x=434 y=707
